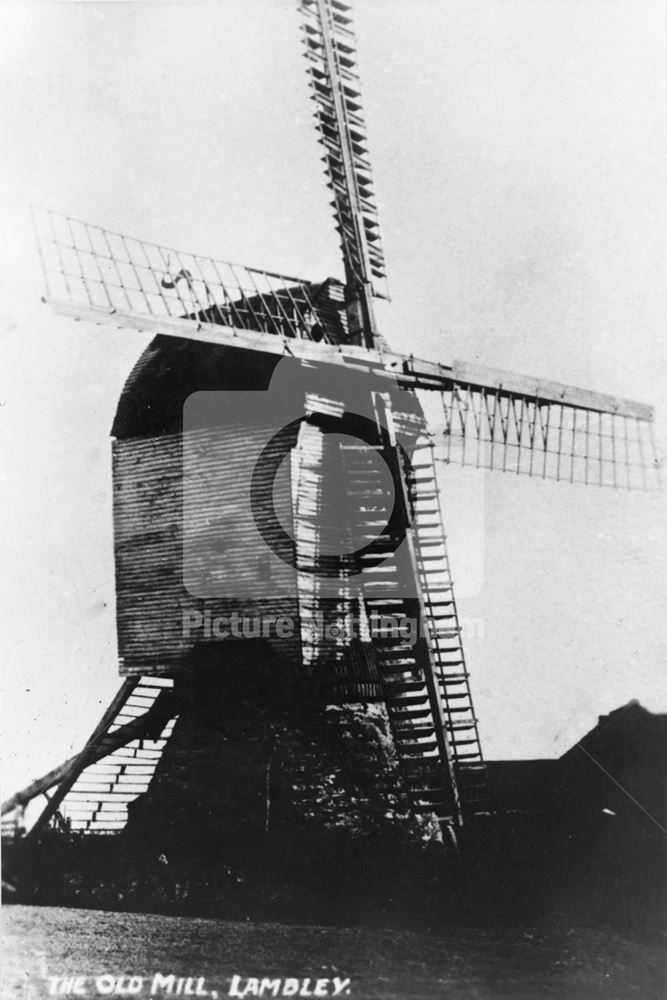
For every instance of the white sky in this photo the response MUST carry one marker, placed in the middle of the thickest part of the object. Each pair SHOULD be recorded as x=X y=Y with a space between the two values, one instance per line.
x=519 y=153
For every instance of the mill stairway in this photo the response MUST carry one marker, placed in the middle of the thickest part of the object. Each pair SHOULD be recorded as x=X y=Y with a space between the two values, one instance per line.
x=416 y=632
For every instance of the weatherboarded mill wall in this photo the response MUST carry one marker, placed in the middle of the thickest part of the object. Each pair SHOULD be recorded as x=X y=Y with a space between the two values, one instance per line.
x=160 y=621
x=172 y=501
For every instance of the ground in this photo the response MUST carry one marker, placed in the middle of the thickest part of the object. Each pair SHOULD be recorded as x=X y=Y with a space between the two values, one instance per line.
x=556 y=959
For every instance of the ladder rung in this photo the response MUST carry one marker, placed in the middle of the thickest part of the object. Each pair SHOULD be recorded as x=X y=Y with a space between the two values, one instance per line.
x=407 y=686
x=404 y=661
x=415 y=749
x=408 y=701
x=398 y=672
x=429 y=794
x=400 y=712
x=417 y=731
x=375 y=601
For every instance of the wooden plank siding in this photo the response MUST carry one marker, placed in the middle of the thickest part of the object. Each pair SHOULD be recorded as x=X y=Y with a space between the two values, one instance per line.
x=148 y=499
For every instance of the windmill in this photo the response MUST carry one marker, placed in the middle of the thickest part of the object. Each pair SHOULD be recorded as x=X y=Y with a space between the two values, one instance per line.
x=184 y=488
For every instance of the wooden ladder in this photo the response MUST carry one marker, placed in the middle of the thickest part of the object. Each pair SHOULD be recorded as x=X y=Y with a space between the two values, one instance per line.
x=415 y=630
x=414 y=707
x=444 y=627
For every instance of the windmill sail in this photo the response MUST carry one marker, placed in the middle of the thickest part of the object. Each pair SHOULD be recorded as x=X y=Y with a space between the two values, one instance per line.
x=330 y=48
x=512 y=423
x=93 y=268
x=512 y=432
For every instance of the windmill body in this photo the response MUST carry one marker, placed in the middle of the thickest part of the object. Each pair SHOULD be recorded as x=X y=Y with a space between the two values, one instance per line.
x=319 y=510
x=333 y=601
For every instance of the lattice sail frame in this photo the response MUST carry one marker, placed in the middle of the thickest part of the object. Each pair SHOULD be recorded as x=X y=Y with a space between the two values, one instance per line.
x=88 y=265
x=330 y=48
x=505 y=431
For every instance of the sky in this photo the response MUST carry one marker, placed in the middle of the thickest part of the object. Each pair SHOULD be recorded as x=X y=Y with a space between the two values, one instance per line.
x=519 y=162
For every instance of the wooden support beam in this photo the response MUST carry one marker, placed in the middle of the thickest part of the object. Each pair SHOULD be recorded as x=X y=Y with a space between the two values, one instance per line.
x=532 y=387
x=38 y=787
x=405 y=370
x=84 y=758
x=158 y=715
